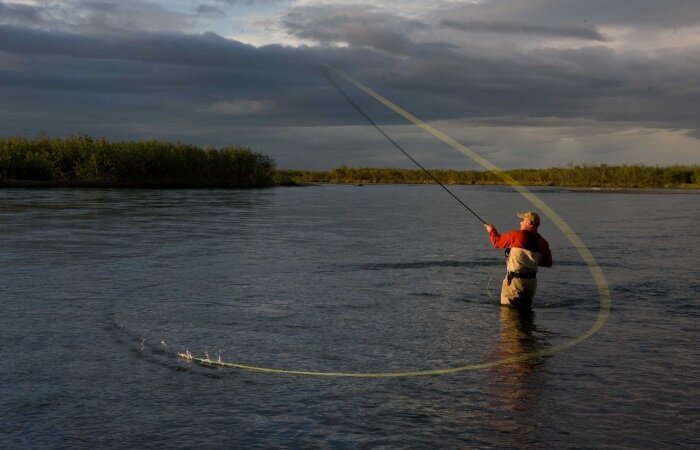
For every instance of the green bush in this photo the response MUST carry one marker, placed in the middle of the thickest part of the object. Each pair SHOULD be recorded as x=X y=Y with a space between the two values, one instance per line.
x=83 y=159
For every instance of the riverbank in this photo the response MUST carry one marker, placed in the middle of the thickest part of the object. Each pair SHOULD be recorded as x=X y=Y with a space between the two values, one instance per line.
x=633 y=190
x=88 y=184
x=83 y=162
x=601 y=177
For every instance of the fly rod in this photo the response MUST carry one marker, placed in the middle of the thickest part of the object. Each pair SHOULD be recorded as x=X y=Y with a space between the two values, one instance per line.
x=326 y=73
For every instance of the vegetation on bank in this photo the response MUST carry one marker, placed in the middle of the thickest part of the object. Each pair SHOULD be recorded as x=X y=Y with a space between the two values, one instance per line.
x=603 y=176
x=83 y=161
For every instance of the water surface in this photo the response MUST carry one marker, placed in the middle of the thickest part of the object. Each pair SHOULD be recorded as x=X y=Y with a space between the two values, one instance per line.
x=100 y=286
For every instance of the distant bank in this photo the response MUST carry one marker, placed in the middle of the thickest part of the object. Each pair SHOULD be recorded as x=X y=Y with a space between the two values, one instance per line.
x=585 y=176
x=80 y=161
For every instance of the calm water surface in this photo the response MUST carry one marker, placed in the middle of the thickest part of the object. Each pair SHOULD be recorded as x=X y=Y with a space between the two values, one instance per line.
x=100 y=288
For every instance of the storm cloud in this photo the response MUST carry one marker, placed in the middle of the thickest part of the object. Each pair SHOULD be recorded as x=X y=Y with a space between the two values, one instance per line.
x=520 y=28
x=354 y=25
x=521 y=101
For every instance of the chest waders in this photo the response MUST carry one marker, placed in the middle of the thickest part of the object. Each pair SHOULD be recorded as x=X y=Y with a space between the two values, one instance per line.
x=520 y=283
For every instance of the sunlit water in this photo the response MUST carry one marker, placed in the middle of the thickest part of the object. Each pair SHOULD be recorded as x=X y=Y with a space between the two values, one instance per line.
x=100 y=289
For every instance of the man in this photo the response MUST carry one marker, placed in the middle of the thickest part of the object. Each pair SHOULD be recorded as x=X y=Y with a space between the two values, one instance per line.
x=526 y=250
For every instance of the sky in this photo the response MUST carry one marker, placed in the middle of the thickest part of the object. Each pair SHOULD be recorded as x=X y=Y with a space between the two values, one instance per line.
x=524 y=83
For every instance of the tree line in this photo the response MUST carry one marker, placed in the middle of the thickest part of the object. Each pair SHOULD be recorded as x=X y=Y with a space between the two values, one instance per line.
x=595 y=175
x=83 y=161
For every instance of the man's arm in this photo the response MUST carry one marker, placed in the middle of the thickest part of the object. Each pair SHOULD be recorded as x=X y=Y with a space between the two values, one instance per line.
x=500 y=240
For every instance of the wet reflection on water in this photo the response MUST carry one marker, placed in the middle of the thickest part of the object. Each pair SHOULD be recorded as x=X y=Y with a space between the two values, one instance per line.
x=514 y=388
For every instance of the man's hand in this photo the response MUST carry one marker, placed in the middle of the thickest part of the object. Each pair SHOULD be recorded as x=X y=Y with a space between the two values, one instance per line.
x=488 y=227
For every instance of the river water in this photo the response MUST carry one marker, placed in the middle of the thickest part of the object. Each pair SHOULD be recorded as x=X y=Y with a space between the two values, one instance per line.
x=101 y=288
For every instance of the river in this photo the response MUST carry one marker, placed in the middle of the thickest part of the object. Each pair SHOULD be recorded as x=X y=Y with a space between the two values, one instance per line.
x=101 y=289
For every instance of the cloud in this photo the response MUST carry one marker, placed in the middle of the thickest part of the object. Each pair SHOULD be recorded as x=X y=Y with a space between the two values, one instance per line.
x=95 y=16
x=249 y=2
x=209 y=10
x=240 y=107
x=353 y=25
x=521 y=28
x=524 y=105
x=176 y=48
x=647 y=13
x=594 y=82
x=20 y=13
x=218 y=8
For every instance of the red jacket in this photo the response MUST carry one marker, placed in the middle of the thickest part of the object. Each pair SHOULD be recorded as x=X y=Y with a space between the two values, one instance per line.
x=523 y=239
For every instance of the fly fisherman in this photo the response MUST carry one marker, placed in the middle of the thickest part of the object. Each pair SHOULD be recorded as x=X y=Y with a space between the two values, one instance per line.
x=525 y=251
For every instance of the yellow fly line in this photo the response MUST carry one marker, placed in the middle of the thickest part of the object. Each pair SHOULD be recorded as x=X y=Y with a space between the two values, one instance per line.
x=596 y=271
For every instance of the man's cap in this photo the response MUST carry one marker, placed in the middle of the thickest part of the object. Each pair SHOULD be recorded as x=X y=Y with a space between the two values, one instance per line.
x=533 y=217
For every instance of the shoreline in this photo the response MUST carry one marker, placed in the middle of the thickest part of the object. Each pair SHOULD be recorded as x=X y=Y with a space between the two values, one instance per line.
x=582 y=189
x=75 y=184
x=633 y=190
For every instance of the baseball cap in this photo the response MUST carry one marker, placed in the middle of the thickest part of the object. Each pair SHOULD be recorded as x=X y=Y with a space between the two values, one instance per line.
x=533 y=217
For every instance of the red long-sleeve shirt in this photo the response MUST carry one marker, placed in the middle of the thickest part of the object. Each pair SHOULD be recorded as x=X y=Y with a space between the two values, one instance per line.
x=519 y=239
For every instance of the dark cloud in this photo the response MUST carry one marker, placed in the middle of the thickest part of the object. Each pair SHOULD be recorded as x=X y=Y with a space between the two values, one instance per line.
x=209 y=10
x=648 y=13
x=17 y=13
x=219 y=8
x=206 y=89
x=355 y=25
x=91 y=16
x=591 y=81
x=521 y=28
x=204 y=49
x=249 y=2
